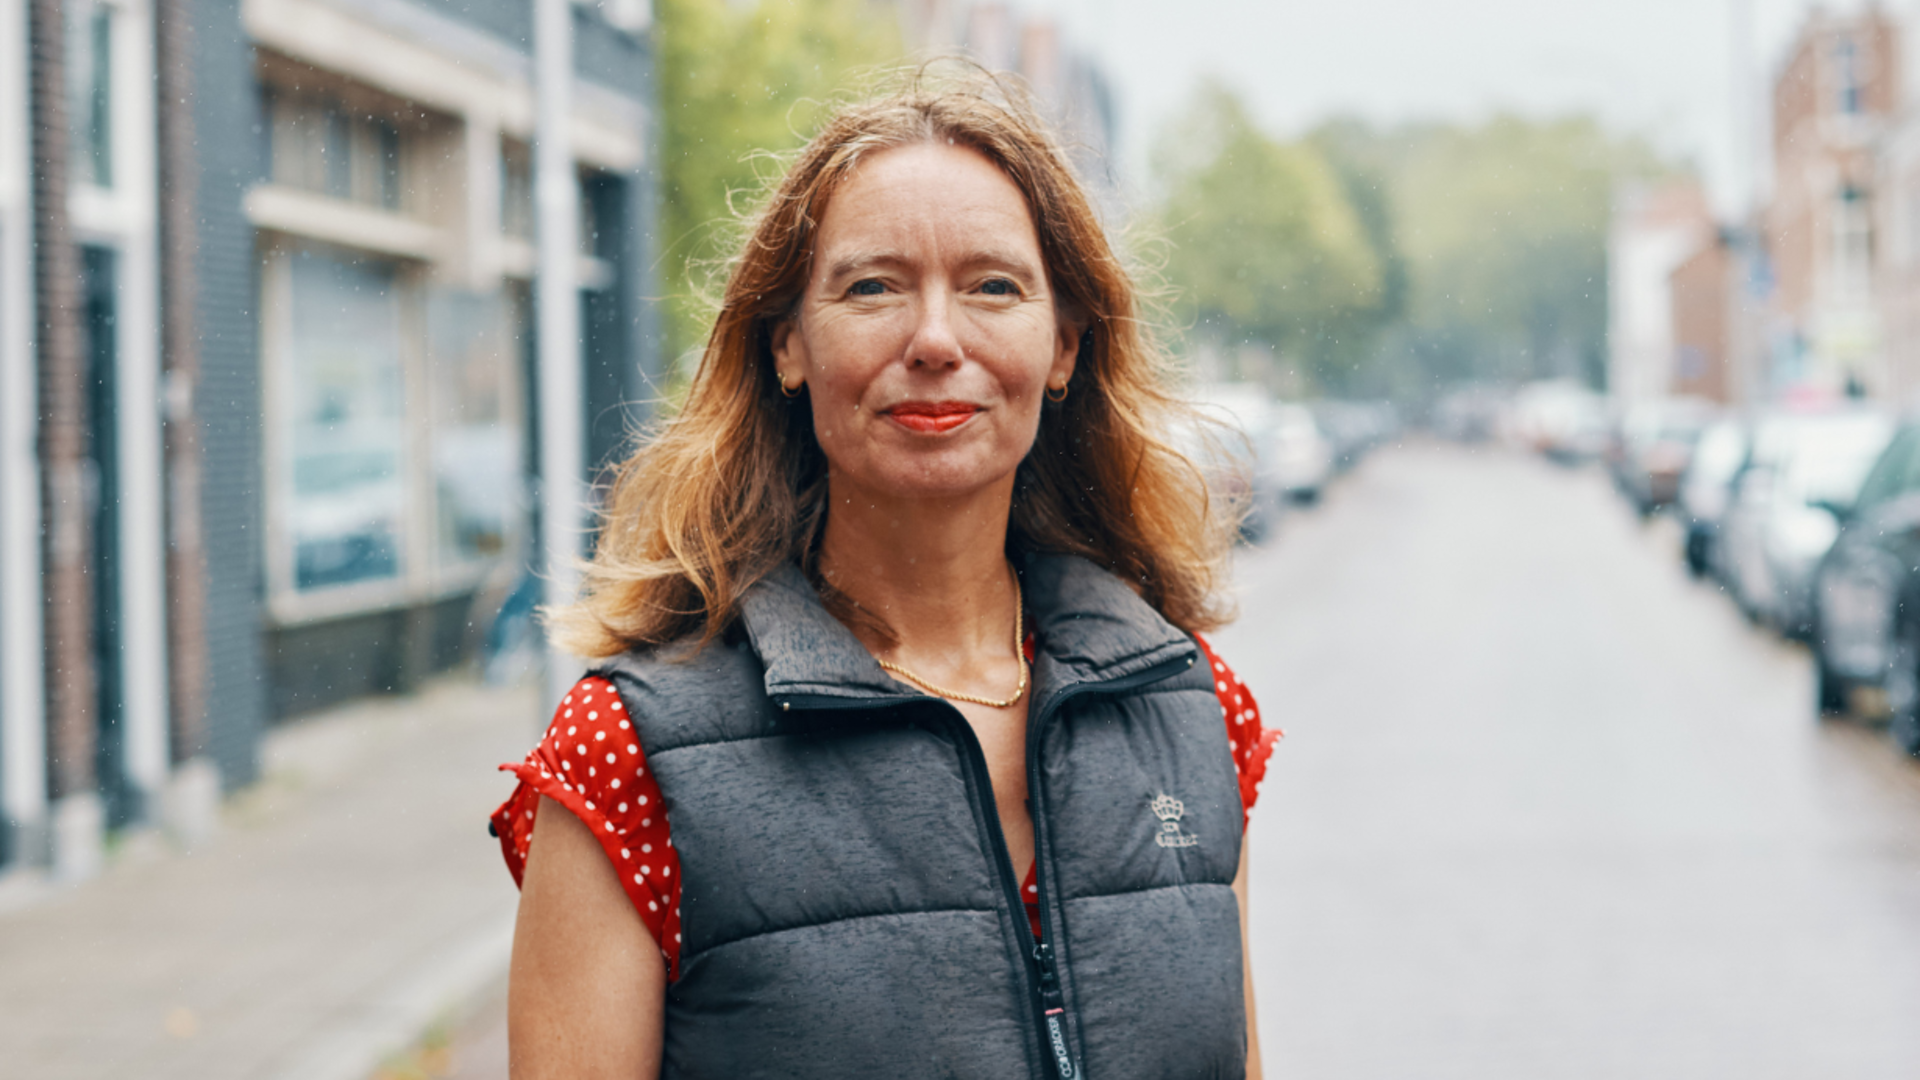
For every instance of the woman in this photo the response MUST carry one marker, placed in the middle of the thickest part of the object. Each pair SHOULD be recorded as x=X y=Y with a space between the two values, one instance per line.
x=902 y=755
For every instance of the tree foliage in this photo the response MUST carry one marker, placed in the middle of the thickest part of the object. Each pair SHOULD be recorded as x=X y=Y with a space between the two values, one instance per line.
x=736 y=81
x=1504 y=227
x=1265 y=243
x=1386 y=261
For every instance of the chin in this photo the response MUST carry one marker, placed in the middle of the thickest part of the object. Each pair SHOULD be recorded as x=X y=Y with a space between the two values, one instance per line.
x=939 y=479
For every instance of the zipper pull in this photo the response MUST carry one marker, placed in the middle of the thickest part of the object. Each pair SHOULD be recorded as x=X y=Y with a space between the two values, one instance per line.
x=1052 y=1008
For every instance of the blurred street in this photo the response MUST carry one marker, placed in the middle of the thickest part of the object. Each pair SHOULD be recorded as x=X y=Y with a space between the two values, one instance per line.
x=351 y=902
x=1547 y=807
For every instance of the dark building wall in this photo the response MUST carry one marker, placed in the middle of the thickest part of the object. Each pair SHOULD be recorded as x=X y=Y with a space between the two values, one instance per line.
x=315 y=665
x=227 y=114
x=622 y=338
x=612 y=58
x=511 y=20
x=640 y=286
x=601 y=53
x=179 y=169
x=64 y=422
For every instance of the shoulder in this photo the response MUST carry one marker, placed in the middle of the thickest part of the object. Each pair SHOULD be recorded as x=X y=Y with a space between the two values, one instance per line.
x=684 y=692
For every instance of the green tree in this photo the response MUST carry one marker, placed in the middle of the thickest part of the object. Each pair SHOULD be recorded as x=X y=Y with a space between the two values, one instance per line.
x=1502 y=231
x=1265 y=242
x=738 y=81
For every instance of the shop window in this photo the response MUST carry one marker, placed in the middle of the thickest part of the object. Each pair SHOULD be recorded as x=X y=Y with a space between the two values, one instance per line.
x=592 y=214
x=343 y=409
x=398 y=432
x=516 y=190
x=474 y=342
x=319 y=145
x=1852 y=245
x=600 y=195
x=1846 y=62
x=90 y=31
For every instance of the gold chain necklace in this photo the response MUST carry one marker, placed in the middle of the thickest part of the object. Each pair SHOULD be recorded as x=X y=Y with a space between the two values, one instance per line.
x=1019 y=653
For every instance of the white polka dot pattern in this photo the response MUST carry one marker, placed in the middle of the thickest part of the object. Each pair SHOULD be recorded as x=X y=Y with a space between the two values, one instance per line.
x=608 y=801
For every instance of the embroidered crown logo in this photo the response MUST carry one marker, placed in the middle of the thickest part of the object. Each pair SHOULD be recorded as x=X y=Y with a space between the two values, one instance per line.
x=1170 y=810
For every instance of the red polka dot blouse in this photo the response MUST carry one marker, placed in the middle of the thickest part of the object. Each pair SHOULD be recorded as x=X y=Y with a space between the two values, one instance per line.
x=591 y=763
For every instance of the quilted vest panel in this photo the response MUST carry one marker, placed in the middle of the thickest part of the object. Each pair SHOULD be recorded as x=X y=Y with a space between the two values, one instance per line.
x=847 y=909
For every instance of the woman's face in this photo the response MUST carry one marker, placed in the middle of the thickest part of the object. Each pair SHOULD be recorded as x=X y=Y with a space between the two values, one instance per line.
x=928 y=332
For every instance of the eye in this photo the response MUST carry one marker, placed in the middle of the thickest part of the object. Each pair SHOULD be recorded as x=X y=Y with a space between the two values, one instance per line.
x=867 y=287
x=999 y=287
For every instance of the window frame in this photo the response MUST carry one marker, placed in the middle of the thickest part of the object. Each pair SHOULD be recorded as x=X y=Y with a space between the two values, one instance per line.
x=425 y=574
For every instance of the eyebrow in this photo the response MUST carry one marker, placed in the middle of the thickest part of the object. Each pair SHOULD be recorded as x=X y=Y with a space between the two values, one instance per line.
x=865 y=260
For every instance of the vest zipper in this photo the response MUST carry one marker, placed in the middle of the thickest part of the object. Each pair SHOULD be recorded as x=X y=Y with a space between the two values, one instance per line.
x=1053 y=1009
x=1043 y=984
x=1052 y=1031
x=1043 y=975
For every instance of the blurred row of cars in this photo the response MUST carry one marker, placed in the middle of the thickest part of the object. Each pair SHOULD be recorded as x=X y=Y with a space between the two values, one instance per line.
x=1284 y=454
x=1809 y=518
x=1559 y=418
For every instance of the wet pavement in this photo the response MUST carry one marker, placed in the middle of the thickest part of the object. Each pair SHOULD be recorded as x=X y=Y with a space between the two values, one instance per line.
x=351 y=901
x=1547 y=807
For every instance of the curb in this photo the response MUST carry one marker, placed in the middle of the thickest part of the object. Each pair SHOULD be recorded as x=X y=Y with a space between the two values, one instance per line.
x=357 y=1044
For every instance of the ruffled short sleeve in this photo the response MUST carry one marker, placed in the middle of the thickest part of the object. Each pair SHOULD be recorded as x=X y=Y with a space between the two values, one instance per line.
x=1251 y=742
x=590 y=762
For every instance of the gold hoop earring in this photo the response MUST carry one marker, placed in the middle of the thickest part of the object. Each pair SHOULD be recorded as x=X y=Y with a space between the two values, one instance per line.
x=791 y=392
x=1059 y=397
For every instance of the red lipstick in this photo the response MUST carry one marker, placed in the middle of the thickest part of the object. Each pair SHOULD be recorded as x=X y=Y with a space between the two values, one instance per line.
x=932 y=416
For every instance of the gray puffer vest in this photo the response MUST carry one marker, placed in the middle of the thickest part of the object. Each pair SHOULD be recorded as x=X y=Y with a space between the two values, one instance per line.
x=848 y=907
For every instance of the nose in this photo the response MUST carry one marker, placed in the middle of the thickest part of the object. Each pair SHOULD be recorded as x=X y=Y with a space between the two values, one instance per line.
x=934 y=345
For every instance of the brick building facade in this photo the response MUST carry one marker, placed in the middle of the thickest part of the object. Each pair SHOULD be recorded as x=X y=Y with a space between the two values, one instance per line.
x=1654 y=229
x=1704 y=288
x=1832 y=102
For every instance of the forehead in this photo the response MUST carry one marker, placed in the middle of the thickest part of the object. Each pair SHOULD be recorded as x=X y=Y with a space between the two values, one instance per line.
x=926 y=199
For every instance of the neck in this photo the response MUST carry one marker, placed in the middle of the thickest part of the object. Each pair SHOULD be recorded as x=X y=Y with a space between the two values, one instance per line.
x=933 y=572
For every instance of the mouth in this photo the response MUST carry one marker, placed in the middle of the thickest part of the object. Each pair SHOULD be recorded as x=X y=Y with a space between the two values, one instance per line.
x=932 y=417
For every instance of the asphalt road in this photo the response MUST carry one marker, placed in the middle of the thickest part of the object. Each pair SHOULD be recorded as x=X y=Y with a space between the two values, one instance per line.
x=1547 y=808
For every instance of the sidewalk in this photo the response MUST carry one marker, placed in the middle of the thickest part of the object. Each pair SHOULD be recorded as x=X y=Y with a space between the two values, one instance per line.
x=351 y=900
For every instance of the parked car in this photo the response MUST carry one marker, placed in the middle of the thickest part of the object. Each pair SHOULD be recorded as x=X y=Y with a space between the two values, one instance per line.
x=1300 y=458
x=1706 y=488
x=1561 y=419
x=1802 y=474
x=1235 y=455
x=1353 y=428
x=1655 y=444
x=1867 y=595
x=1471 y=413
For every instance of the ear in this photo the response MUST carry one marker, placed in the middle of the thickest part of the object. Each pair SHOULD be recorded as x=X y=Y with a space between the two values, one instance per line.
x=789 y=350
x=1066 y=351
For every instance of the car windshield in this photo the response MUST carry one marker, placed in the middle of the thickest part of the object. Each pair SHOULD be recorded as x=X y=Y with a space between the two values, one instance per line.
x=1827 y=458
x=1720 y=452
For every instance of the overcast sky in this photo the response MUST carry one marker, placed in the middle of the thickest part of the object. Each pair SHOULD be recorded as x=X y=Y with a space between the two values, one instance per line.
x=1661 y=68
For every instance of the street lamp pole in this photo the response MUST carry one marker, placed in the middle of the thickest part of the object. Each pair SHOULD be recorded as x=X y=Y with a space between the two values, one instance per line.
x=557 y=312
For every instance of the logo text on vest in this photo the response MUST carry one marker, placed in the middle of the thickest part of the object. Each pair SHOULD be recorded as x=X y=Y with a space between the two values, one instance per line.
x=1169 y=810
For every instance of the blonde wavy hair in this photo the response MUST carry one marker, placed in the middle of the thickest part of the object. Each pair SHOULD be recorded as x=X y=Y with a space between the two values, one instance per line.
x=734 y=484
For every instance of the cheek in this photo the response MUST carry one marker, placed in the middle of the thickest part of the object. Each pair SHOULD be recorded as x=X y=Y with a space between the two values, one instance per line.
x=1025 y=345
x=845 y=356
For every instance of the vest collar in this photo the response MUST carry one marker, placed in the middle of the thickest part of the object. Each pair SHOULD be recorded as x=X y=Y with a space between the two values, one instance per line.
x=1090 y=628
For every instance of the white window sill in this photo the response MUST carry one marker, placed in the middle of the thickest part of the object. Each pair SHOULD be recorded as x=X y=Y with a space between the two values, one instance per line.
x=337 y=221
